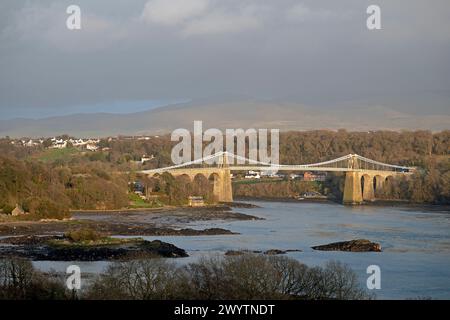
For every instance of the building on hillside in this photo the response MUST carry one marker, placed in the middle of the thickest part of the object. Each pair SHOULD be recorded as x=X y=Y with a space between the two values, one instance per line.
x=58 y=144
x=311 y=195
x=146 y=158
x=30 y=143
x=77 y=142
x=18 y=211
x=252 y=175
x=91 y=147
x=310 y=176
x=270 y=173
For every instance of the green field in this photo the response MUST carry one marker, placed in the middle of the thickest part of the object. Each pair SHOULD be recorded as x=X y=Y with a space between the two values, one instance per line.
x=137 y=202
x=52 y=155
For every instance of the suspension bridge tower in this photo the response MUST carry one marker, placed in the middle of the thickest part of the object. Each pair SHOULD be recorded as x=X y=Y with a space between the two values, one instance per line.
x=352 y=185
x=222 y=190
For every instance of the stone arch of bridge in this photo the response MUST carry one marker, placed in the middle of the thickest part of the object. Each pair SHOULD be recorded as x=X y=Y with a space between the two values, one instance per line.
x=378 y=184
x=367 y=187
x=217 y=185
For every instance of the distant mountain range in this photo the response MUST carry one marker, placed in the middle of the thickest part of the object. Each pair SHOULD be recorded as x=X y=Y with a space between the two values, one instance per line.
x=224 y=114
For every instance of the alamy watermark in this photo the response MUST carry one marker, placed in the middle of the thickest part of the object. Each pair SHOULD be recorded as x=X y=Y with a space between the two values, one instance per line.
x=191 y=148
x=73 y=281
x=374 y=280
x=73 y=21
x=374 y=20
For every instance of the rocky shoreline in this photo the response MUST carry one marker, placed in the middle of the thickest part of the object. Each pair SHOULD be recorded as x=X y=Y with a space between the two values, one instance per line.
x=47 y=228
x=41 y=240
x=162 y=222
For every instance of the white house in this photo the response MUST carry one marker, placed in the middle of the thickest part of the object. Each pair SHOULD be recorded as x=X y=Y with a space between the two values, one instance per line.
x=252 y=175
x=30 y=143
x=146 y=158
x=91 y=147
x=58 y=144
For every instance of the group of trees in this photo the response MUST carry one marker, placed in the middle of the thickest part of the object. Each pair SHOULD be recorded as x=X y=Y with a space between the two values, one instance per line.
x=216 y=278
x=429 y=185
x=226 y=278
x=20 y=281
x=403 y=148
x=50 y=190
x=243 y=277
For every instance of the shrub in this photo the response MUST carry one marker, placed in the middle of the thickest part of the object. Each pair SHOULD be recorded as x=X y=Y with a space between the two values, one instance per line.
x=7 y=208
x=84 y=235
x=45 y=208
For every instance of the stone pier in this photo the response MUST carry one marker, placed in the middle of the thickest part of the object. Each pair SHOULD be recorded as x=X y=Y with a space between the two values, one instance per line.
x=352 y=188
x=364 y=185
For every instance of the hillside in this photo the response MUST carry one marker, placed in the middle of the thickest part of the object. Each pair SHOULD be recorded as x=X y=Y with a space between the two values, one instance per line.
x=228 y=114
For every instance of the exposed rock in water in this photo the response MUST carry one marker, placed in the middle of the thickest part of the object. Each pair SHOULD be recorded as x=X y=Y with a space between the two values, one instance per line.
x=267 y=252
x=278 y=251
x=239 y=252
x=359 y=245
x=208 y=231
x=241 y=205
x=273 y=252
x=49 y=248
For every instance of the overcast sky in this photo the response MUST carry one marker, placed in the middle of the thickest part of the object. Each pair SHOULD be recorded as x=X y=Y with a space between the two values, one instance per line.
x=318 y=53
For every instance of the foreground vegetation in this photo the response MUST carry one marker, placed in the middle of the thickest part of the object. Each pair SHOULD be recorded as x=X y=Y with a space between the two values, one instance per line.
x=237 y=277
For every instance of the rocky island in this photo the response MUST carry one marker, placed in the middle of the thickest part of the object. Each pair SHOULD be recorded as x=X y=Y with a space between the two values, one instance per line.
x=86 y=245
x=359 y=245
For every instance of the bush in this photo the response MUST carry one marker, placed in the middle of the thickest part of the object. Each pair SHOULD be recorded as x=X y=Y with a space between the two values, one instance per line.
x=45 y=208
x=84 y=235
x=7 y=208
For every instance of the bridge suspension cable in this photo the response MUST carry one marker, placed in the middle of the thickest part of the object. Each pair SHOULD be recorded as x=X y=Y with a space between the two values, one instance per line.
x=347 y=160
x=381 y=163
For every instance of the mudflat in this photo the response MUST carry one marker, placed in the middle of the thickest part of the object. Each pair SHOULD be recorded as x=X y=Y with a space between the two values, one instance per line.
x=143 y=222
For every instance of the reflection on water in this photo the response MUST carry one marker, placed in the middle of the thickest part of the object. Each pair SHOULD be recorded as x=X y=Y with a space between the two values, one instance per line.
x=416 y=246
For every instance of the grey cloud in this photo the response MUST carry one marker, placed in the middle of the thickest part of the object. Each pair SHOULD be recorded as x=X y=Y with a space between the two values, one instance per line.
x=317 y=53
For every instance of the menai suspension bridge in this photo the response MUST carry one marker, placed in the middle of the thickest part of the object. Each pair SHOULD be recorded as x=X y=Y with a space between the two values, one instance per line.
x=362 y=175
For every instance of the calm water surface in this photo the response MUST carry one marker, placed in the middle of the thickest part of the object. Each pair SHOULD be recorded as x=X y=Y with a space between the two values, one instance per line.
x=415 y=261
